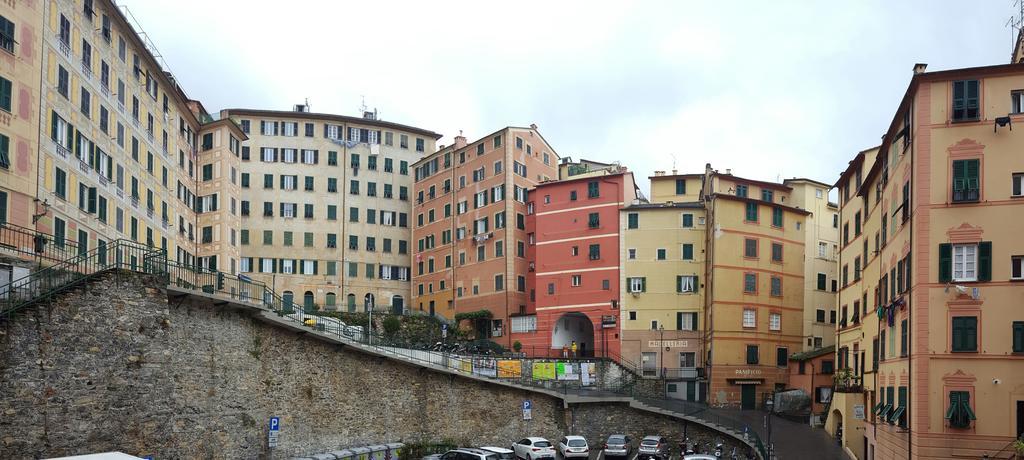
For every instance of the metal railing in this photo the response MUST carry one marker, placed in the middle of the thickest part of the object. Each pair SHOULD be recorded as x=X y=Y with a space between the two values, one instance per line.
x=62 y=276
x=31 y=244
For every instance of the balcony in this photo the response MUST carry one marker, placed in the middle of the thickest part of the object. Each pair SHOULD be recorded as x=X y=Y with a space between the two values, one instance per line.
x=62 y=151
x=135 y=202
x=104 y=89
x=103 y=180
x=86 y=69
x=845 y=381
x=64 y=45
x=966 y=195
x=82 y=165
x=683 y=373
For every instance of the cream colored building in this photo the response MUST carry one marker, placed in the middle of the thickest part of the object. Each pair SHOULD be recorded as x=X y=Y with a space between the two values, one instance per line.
x=218 y=195
x=663 y=251
x=821 y=246
x=117 y=134
x=326 y=206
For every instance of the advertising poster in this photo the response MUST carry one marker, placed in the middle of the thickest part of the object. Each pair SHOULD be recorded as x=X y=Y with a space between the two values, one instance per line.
x=543 y=371
x=510 y=369
x=587 y=374
x=485 y=367
x=567 y=371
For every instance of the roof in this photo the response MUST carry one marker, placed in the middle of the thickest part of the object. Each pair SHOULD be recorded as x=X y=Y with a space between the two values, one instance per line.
x=451 y=148
x=672 y=205
x=804 y=179
x=331 y=117
x=669 y=176
x=230 y=124
x=578 y=178
x=805 y=355
x=856 y=161
x=756 y=182
x=726 y=196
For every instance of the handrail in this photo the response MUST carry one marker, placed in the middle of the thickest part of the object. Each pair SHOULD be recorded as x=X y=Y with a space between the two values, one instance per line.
x=35 y=244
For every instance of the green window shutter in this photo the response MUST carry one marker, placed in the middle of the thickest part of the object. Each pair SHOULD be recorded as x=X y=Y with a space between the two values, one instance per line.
x=687 y=252
x=643 y=284
x=679 y=283
x=972 y=173
x=945 y=262
x=634 y=220
x=751 y=212
x=1018 y=336
x=53 y=125
x=687 y=220
x=777 y=217
x=959 y=175
x=696 y=285
x=985 y=261
x=680 y=186
x=954 y=404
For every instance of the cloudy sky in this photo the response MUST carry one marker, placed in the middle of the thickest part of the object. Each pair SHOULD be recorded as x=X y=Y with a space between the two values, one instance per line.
x=771 y=89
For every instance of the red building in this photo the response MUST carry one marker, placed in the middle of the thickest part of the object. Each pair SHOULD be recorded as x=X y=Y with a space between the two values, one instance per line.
x=573 y=231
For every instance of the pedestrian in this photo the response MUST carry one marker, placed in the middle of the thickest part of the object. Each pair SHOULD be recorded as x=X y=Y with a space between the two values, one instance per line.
x=565 y=351
x=573 y=348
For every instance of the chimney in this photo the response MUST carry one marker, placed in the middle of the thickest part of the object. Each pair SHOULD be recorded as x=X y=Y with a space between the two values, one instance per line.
x=675 y=172
x=460 y=141
x=533 y=126
x=919 y=68
x=728 y=171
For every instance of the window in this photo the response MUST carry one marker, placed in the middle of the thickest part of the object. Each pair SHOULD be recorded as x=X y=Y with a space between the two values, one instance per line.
x=966 y=186
x=1017 y=267
x=767 y=195
x=633 y=220
x=965 y=334
x=750 y=283
x=687 y=251
x=749 y=317
x=680 y=186
x=637 y=284
x=782 y=356
x=819 y=315
x=595 y=252
x=593 y=189
x=687 y=220
x=903 y=338
x=777 y=217
x=686 y=283
x=741 y=190
x=827 y=366
x=1017 y=101
x=965 y=100
x=776 y=288
x=776 y=252
x=6 y=35
x=821 y=281
x=751 y=214
x=661 y=254
x=965 y=262
x=576 y=280
x=752 y=353
x=775 y=321
x=750 y=247
x=1018 y=336
x=959 y=412
x=631 y=253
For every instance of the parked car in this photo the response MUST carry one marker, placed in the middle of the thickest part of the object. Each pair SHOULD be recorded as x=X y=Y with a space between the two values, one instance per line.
x=618 y=445
x=701 y=457
x=573 y=447
x=533 y=448
x=467 y=453
x=655 y=448
x=503 y=453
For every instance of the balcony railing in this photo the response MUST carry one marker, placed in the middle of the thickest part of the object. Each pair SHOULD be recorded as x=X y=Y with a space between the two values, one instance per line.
x=64 y=46
x=965 y=195
x=848 y=383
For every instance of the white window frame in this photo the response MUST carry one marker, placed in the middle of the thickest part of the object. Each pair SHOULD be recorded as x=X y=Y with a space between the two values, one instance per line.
x=332 y=132
x=1017 y=101
x=524 y=323
x=290 y=129
x=687 y=283
x=968 y=257
x=287 y=266
x=386 y=218
x=268 y=154
x=372 y=137
x=692 y=359
x=288 y=156
x=385 y=272
x=289 y=182
x=636 y=284
x=403 y=273
x=307 y=267
x=775 y=321
x=576 y=280
x=353 y=134
x=689 y=322
x=268 y=266
x=818 y=193
x=1019 y=260
x=749 y=317
x=289 y=210
x=244 y=265
x=308 y=156
x=822 y=250
x=267 y=128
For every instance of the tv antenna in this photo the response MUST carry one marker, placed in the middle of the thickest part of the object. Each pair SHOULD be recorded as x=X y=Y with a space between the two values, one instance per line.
x=362 y=108
x=1016 y=22
x=674 y=157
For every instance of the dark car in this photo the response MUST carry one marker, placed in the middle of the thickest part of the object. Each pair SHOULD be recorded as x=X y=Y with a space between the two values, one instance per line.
x=618 y=445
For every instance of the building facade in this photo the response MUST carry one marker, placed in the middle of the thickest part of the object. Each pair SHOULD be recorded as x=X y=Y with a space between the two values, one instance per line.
x=946 y=354
x=469 y=232
x=21 y=27
x=325 y=206
x=117 y=135
x=663 y=273
x=575 y=263
x=754 y=301
x=821 y=249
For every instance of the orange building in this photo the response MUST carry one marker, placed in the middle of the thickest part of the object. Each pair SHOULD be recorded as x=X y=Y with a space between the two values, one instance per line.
x=469 y=230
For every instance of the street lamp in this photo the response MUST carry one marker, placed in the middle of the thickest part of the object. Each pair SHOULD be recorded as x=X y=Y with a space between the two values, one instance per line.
x=768 y=422
x=661 y=352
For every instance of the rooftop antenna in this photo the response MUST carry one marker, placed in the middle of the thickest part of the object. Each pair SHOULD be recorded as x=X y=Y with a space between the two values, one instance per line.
x=673 y=161
x=362 y=108
x=307 y=105
x=1016 y=22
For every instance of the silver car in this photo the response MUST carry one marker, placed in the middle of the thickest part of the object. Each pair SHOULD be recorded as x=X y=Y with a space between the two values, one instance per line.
x=654 y=448
x=618 y=445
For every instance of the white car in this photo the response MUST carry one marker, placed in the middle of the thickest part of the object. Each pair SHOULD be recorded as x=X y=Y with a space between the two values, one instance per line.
x=533 y=448
x=573 y=447
x=503 y=454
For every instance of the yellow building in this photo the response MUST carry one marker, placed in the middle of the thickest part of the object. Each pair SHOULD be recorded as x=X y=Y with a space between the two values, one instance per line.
x=754 y=307
x=117 y=134
x=218 y=195
x=942 y=193
x=326 y=206
x=821 y=243
x=663 y=247
x=20 y=69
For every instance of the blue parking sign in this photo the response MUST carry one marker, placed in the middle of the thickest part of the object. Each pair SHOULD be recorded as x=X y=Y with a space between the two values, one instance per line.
x=527 y=404
x=275 y=424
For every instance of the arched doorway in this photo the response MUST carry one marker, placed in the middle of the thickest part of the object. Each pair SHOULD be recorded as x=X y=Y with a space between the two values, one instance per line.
x=351 y=303
x=838 y=433
x=287 y=299
x=329 y=301
x=307 y=302
x=574 y=327
x=397 y=305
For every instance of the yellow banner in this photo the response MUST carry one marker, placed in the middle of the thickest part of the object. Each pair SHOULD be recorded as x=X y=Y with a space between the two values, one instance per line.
x=510 y=369
x=543 y=371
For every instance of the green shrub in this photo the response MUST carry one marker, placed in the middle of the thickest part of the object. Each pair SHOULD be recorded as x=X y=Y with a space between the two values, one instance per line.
x=517 y=346
x=392 y=325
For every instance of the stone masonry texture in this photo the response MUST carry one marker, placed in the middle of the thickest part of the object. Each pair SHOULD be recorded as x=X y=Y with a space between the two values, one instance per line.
x=117 y=365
